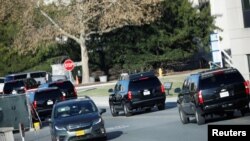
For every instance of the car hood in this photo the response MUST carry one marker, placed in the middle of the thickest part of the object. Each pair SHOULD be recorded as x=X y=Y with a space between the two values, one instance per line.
x=77 y=119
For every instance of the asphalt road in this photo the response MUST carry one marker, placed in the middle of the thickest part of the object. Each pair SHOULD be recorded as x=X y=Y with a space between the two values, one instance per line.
x=152 y=126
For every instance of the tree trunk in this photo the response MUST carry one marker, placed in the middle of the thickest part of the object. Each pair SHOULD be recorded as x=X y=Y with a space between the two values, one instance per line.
x=85 y=62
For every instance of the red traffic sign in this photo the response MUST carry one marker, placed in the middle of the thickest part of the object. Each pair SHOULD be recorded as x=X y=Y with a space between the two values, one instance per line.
x=69 y=65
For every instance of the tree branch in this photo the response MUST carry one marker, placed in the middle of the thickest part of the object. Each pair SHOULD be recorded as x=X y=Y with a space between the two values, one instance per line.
x=106 y=30
x=98 y=13
x=58 y=27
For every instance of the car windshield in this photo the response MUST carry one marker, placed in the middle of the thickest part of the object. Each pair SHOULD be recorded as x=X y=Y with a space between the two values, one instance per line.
x=48 y=94
x=76 y=108
x=14 y=85
x=62 y=85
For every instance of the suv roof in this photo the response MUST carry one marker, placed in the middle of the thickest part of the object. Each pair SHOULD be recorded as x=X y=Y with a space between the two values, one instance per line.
x=207 y=72
x=126 y=76
x=39 y=76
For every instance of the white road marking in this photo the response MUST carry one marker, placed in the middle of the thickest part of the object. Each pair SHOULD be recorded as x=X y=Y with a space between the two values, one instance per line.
x=117 y=127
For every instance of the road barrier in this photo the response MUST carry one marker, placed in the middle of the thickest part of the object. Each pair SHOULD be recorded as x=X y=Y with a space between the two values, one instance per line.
x=14 y=109
x=6 y=134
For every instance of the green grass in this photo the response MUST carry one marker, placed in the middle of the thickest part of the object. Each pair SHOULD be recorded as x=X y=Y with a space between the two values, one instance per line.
x=176 y=79
x=98 y=91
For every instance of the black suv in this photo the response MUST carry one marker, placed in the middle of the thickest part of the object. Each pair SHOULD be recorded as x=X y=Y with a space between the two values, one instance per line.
x=42 y=101
x=19 y=86
x=137 y=91
x=67 y=88
x=219 y=91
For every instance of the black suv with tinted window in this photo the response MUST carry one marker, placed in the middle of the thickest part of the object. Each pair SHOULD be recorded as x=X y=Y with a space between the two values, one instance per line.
x=19 y=86
x=219 y=91
x=137 y=91
x=42 y=101
x=67 y=88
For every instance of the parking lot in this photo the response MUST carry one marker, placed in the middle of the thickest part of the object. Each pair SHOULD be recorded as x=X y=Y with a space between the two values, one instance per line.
x=151 y=126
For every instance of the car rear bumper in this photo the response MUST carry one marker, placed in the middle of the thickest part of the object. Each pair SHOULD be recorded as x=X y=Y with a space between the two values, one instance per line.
x=147 y=102
x=226 y=106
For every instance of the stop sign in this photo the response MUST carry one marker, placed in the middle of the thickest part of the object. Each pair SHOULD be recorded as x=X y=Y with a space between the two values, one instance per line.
x=69 y=65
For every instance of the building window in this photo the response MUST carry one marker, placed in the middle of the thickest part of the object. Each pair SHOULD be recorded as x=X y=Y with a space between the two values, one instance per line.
x=246 y=12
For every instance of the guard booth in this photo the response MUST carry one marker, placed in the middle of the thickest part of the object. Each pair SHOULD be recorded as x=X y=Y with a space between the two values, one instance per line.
x=15 y=110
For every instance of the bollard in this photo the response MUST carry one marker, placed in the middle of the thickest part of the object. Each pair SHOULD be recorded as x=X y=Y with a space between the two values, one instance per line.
x=160 y=72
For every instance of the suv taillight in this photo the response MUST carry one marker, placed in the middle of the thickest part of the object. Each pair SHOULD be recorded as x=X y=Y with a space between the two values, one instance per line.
x=162 y=89
x=246 y=83
x=35 y=104
x=200 y=98
x=62 y=97
x=25 y=89
x=129 y=95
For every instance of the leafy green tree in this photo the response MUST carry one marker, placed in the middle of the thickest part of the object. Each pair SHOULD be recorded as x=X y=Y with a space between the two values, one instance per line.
x=178 y=35
x=80 y=18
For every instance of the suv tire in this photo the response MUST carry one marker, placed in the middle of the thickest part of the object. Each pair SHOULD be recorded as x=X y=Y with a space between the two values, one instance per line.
x=199 y=118
x=113 y=110
x=244 y=111
x=184 y=118
x=230 y=114
x=161 y=106
x=127 y=112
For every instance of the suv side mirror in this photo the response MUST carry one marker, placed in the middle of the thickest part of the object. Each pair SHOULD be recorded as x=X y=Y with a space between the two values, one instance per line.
x=111 y=90
x=49 y=120
x=102 y=111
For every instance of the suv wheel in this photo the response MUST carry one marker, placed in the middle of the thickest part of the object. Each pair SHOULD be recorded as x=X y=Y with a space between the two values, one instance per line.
x=199 y=118
x=113 y=110
x=244 y=111
x=230 y=114
x=161 y=106
x=148 y=109
x=184 y=118
x=127 y=112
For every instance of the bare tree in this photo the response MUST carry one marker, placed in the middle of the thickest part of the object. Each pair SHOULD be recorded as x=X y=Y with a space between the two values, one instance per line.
x=78 y=19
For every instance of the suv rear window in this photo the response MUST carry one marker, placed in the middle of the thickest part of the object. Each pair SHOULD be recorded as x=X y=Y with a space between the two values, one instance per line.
x=62 y=85
x=144 y=83
x=30 y=83
x=217 y=80
x=13 y=85
x=37 y=74
x=48 y=94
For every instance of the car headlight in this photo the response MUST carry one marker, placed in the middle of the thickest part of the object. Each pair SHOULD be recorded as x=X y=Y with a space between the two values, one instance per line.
x=99 y=120
x=60 y=128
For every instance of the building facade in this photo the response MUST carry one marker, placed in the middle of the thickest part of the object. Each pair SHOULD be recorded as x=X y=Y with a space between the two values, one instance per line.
x=233 y=17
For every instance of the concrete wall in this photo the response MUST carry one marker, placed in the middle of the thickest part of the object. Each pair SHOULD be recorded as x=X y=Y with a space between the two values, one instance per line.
x=235 y=36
